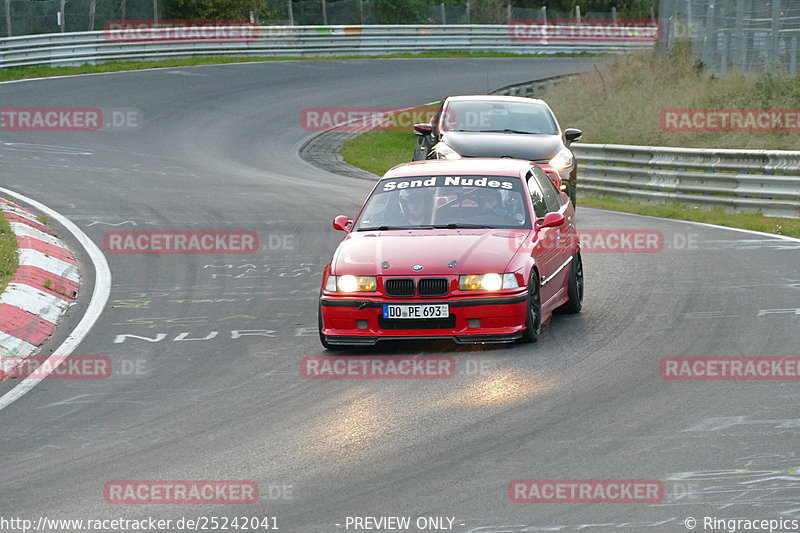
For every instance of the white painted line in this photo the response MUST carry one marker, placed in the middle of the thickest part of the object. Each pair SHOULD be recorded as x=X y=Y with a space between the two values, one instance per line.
x=25 y=230
x=100 y=294
x=31 y=257
x=705 y=224
x=30 y=299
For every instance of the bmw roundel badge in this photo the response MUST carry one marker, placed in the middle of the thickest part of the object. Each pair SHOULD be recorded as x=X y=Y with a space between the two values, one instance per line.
x=416 y=268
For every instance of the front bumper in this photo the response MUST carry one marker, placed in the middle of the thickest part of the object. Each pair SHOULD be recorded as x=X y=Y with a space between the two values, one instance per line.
x=484 y=319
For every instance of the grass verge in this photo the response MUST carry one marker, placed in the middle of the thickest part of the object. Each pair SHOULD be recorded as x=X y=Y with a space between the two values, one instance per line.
x=9 y=260
x=19 y=73
x=379 y=151
x=621 y=103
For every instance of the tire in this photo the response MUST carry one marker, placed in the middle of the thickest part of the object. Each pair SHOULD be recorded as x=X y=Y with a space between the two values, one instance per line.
x=574 y=287
x=572 y=186
x=533 y=318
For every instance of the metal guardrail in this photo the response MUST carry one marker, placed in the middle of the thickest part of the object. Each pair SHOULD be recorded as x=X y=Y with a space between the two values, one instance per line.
x=532 y=89
x=63 y=49
x=738 y=180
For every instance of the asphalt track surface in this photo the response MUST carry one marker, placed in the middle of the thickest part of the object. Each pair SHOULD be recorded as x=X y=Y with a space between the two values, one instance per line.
x=216 y=150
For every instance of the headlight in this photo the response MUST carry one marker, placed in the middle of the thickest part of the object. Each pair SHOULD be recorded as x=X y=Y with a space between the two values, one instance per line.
x=562 y=161
x=443 y=151
x=348 y=283
x=487 y=282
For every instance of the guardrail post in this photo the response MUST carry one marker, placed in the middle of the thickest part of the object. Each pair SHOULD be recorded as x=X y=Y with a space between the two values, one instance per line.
x=92 y=8
x=324 y=13
x=291 y=14
x=666 y=15
x=62 y=20
x=709 y=39
x=739 y=43
x=155 y=10
x=8 y=17
x=444 y=13
x=775 y=35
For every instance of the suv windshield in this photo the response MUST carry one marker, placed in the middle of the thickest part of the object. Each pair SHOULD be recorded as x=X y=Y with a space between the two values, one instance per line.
x=445 y=202
x=500 y=117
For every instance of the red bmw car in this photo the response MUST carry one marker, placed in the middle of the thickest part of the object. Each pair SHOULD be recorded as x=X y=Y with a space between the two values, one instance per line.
x=475 y=250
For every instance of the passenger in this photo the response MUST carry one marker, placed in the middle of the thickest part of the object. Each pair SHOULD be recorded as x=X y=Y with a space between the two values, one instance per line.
x=490 y=209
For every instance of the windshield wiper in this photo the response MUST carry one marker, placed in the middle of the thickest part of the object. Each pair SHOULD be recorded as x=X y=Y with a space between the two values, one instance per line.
x=461 y=225
x=512 y=131
x=389 y=228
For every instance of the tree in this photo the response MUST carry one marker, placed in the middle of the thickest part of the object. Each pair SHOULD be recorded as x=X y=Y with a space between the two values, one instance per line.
x=401 y=11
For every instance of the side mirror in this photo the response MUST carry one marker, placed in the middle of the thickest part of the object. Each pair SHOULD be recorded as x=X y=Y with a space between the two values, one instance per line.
x=423 y=129
x=551 y=220
x=341 y=223
x=572 y=135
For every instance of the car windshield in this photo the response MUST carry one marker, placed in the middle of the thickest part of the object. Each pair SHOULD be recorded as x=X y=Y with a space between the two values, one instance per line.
x=445 y=202
x=500 y=117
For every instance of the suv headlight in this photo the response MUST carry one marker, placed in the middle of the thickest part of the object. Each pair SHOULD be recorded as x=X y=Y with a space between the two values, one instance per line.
x=443 y=151
x=562 y=161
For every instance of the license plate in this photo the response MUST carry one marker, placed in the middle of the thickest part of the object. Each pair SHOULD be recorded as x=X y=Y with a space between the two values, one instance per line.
x=416 y=311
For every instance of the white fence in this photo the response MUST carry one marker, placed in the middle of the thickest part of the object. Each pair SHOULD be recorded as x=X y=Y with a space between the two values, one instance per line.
x=61 y=49
x=737 y=180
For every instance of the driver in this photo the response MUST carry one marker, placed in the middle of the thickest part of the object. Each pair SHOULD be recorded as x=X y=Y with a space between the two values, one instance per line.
x=416 y=204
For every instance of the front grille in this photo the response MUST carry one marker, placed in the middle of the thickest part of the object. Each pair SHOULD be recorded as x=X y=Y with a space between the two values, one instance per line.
x=433 y=286
x=417 y=323
x=400 y=287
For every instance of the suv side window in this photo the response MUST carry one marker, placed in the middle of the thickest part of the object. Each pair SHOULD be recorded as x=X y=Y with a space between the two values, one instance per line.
x=552 y=198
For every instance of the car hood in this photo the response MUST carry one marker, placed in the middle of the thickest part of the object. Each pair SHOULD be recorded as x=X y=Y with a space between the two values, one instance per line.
x=515 y=145
x=474 y=251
